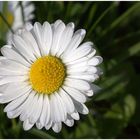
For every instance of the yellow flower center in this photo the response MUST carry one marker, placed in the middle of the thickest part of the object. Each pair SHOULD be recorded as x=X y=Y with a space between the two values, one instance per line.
x=47 y=74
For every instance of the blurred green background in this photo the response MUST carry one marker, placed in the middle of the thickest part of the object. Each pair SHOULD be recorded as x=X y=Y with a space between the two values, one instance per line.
x=114 y=27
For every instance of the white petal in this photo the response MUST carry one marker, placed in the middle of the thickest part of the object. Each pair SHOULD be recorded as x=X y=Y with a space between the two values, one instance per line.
x=48 y=115
x=89 y=56
x=13 y=94
x=65 y=38
x=88 y=43
x=53 y=107
x=80 y=52
x=13 y=87
x=6 y=72
x=36 y=114
x=43 y=36
x=83 y=76
x=82 y=32
x=48 y=125
x=27 y=125
x=88 y=93
x=29 y=112
x=31 y=42
x=12 y=54
x=67 y=101
x=38 y=36
x=28 y=9
x=45 y=114
x=78 y=84
x=57 y=127
x=85 y=70
x=81 y=108
x=92 y=53
x=47 y=37
x=75 y=41
x=93 y=89
x=39 y=125
x=2 y=58
x=69 y=122
x=83 y=59
x=75 y=62
x=15 y=103
x=15 y=113
x=95 y=60
x=75 y=115
x=61 y=108
x=28 y=26
x=56 y=23
x=75 y=94
x=12 y=65
x=75 y=70
x=92 y=69
x=56 y=38
x=29 y=17
x=3 y=87
x=23 y=48
x=11 y=79
x=58 y=112
x=78 y=65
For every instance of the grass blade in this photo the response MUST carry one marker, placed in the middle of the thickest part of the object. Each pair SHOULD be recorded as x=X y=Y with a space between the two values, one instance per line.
x=41 y=134
x=100 y=18
x=121 y=18
x=6 y=22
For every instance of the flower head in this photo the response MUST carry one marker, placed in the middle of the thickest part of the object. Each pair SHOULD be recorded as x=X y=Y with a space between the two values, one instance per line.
x=27 y=13
x=47 y=74
x=13 y=13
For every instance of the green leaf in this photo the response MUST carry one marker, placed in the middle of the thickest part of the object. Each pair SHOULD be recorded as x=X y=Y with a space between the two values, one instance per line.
x=41 y=134
x=117 y=118
x=121 y=18
x=90 y=17
x=100 y=18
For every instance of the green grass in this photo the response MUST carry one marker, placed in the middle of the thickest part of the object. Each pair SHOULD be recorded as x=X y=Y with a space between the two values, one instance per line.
x=114 y=27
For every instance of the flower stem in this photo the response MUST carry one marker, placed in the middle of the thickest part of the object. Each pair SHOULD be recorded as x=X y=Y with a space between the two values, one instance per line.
x=22 y=11
x=6 y=22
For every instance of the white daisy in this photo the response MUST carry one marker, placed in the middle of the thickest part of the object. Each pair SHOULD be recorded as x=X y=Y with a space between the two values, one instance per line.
x=28 y=9
x=47 y=74
x=14 y=14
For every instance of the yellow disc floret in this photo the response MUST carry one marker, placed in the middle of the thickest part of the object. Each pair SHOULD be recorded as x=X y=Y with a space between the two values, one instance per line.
x=47 y=74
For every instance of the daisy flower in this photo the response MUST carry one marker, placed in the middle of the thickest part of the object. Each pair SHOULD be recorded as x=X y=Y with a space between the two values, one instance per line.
x=47 y=74
x=28 y=9
x=14 y=14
